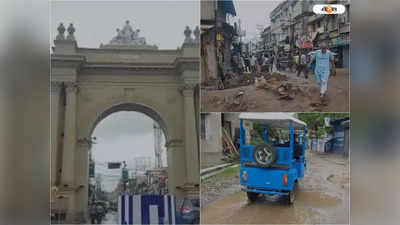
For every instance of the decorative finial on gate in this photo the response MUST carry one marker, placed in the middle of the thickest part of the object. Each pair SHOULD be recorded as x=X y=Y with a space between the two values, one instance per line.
x=71 y=31
x=188 y=33
x=61 y=30
x=196 y=33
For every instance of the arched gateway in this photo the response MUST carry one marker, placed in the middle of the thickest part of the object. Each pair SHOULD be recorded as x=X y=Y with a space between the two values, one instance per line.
x=88 y=84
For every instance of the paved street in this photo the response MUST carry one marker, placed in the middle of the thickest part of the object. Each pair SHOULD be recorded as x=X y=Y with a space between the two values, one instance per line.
x=111 y=218
x=322 y=197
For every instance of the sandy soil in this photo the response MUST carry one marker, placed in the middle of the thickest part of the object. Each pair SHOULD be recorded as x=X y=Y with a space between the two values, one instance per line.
x=261 y=100
x=322 y=197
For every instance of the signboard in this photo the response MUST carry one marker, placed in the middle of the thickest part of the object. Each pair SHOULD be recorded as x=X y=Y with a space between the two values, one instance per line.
x=114 y=165
x=219 y=37
x=342 y=40
x=327 y=121
x=307 y=44
x=286 y=47
x=125 y=174
x=91 y=169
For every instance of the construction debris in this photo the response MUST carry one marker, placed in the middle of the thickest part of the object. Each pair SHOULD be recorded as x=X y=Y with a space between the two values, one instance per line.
x=278 y=83
x=236 y=102
x=228 y=148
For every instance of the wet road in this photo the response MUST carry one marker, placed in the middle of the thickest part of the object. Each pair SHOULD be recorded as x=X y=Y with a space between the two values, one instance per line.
x=321 y=197
x=111 y=218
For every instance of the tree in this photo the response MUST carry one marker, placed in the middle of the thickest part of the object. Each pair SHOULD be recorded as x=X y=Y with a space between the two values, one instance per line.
x=316 y=122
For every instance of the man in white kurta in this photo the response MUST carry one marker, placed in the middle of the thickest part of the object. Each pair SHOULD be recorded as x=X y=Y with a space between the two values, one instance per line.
x=323 y=64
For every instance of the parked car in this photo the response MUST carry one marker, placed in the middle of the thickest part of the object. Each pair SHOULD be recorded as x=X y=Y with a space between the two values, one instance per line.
x=187 y=211
x=272 y=167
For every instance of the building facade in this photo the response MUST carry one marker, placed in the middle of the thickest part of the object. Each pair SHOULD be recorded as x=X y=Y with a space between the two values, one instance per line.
x=217 y=36
x=295 y=26
x=210 y=139
x=213 y=127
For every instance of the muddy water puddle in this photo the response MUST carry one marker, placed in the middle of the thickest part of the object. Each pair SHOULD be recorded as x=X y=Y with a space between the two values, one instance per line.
x=235 y=209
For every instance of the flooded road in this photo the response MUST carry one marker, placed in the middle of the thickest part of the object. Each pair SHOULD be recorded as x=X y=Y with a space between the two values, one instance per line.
x=321 y=197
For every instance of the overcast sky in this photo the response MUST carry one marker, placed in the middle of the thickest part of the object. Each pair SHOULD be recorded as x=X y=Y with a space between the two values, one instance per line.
x=161 y=22
x=252 y=13
x=122 y=136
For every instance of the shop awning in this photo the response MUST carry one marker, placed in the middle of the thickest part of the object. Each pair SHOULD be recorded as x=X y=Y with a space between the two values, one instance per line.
x=227 y=7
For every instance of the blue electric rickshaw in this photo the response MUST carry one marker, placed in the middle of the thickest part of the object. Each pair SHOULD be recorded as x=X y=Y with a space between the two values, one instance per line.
x=274 y=165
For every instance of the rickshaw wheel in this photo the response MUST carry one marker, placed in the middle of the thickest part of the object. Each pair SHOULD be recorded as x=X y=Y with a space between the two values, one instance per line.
x=252 y=196
x=291 y=197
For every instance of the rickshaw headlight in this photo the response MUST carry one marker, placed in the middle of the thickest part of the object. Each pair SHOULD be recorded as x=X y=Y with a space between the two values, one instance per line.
x=244 y=176
x=284 y=179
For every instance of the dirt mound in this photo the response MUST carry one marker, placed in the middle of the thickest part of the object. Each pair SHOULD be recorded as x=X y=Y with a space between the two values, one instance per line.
x=284 y=90
x=282 y=86
x=276 y=76
x=237 y=102
x=234 y=80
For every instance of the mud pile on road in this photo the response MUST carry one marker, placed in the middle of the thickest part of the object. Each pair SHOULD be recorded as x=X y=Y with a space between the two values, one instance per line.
x=275 y=76
x=237 y=102
x=234 y=102
x=280 y=84
x=235 y=80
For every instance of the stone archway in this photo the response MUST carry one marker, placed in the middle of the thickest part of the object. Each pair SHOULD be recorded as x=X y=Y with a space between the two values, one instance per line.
x=90 y=84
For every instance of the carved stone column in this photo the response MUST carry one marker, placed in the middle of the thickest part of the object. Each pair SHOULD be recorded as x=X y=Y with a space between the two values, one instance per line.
x=82 y=177
x=70 y=140
x=55 y=110
x=176 y=166
x=191 y=147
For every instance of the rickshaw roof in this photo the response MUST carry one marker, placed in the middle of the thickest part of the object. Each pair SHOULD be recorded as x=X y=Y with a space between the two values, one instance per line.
x=279 y=120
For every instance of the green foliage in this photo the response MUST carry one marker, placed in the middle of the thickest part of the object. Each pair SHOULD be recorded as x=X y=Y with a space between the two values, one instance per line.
x=316 y=122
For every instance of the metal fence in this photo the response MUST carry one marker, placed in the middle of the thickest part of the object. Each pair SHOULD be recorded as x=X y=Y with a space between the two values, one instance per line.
x=146 y=209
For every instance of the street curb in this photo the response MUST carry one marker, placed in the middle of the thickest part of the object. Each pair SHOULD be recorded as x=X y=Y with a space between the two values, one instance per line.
x=216 y=171
x=214 y=168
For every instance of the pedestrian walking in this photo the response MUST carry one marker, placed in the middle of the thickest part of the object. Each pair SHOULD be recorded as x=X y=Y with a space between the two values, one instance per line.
x=242 y=65
x=303 y=65
x=100 y=213
x=265 y=64
x=247 y=64
x=324 y=62
x=253 y=61
x=274 y=63
x=295 y=59
x=93 y=214
x=271 y=63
